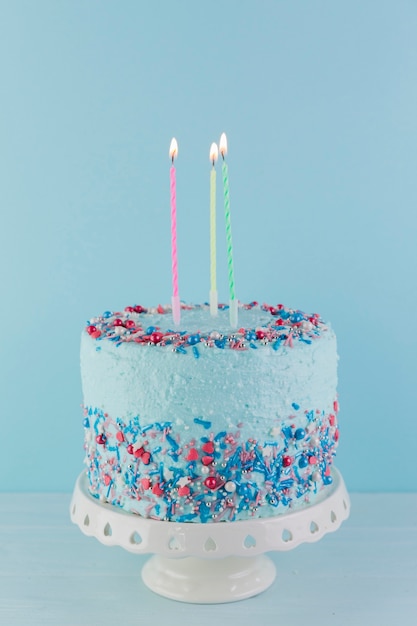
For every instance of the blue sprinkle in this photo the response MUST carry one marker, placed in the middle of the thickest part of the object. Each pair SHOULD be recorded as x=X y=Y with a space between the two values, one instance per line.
x=277 y=344
x=98 y=348
x=303 y=462
x=305 y=340
x=172 y=442
x=196 y=352
x=205 y=423
x=284 y=315
x=86 y=423
x=107 y=314
x=295 y=406
x=250 y=335
x=286 y=484
x=193 y=339
x=252 y=345
x=187 y=518
x=272 y=499
x=327 y=480
x=300 y=433
x=296 y=317
x=204 y=510
x=220 y=435
x=220 y=343
x=181 y=349
x=150 y=330
x=287 y=432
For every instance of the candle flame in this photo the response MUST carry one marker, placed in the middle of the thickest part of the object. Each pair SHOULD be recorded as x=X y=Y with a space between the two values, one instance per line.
x=214 y=153
x=223 y=145
x=173 y=149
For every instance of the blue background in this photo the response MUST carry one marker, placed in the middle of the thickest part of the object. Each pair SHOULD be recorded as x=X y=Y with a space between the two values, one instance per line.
x=319 y=101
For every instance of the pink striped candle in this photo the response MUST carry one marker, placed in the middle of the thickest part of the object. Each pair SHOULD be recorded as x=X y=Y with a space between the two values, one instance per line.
x=176 y=310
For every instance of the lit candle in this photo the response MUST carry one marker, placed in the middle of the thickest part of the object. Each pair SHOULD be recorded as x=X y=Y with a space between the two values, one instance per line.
x=232 y=295
x=176 y=311
x=214 y=154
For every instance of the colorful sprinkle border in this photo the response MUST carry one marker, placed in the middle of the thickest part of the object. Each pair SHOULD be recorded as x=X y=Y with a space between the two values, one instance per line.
x=160 y=472
x=284 y=328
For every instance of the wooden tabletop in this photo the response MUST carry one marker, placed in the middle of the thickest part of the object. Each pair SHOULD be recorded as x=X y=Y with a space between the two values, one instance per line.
x=363 y=574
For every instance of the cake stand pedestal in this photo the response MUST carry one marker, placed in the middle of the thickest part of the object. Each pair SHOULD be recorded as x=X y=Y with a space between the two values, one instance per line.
x=214 y=562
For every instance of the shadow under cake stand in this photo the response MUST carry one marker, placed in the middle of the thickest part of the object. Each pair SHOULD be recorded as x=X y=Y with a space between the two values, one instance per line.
x=215 y=562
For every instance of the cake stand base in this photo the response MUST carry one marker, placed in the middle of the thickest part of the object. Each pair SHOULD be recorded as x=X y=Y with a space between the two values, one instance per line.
x=208 y=581
x=214 y=562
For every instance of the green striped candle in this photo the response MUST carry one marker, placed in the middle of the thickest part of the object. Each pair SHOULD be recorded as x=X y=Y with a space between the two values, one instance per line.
x=226 y=196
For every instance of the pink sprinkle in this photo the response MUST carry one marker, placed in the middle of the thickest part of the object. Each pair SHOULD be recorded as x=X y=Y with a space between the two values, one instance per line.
x=289 y=341
x=146 y=457
x=313 y=460
x=208 y=447
x=120 y=436
x=107 y=480
x=192 y=455
x=156 y=489
x=184 y=491
x=211 y=482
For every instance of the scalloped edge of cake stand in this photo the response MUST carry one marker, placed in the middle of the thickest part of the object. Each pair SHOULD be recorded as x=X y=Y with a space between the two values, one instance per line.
x=214 y=562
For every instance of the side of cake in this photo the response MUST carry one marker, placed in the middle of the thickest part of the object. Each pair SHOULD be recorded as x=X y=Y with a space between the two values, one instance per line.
x=208 y=424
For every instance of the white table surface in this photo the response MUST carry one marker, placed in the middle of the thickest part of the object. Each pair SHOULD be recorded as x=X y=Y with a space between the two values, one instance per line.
x=363 y=574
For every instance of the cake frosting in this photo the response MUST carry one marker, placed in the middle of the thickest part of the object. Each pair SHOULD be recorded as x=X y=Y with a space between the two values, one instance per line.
x=208 y=423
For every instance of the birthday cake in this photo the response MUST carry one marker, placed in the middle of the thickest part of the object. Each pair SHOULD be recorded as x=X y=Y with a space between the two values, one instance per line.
x=209 y=423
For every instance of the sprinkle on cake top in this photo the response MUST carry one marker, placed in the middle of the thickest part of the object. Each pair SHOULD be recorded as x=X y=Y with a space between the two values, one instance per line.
x=260 y=325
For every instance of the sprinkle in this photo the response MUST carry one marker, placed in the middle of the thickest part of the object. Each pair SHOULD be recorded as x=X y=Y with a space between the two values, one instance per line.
x=210 y=482
x=208 y=447
x=192 y=455
x=284 y=326
x=205 y=423
x=168 y=475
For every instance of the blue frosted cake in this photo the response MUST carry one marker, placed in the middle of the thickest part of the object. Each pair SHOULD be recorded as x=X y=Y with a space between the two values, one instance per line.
x=206 y=423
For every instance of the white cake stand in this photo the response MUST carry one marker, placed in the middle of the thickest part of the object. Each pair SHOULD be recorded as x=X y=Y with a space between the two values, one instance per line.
x=214 y=562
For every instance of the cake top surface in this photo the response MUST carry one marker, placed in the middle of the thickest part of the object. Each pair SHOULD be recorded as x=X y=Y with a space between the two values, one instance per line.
x=258 y=325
